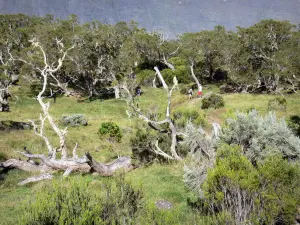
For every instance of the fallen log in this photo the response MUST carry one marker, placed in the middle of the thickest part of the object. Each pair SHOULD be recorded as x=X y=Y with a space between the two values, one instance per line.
x=46 y=176
x=109 y=169
x=85 y=164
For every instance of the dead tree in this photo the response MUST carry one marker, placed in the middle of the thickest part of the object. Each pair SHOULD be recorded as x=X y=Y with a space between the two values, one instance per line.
x=52 y=161
x=5 y=83
x=155 y=124
x=199 y=86
x=4 y=95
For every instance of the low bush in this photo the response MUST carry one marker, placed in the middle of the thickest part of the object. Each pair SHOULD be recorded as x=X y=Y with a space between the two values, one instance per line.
x=110 y=131
x=3 y=156
x=260 y=136
x=213 y=101
x=143 y=143
x=271 y=188
x=278 y=103
x=145 y=77
x=75 y=201
x=182 y=116
x=294 y=124
x=74 y=120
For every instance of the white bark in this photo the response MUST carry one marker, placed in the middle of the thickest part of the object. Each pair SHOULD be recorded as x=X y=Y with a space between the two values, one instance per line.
x=167 y=63
x=51 y=162
x=167 y=120
x=117 y=92
x=154 y=82
x=195 y=78
x=46 y=176
x=165 y=86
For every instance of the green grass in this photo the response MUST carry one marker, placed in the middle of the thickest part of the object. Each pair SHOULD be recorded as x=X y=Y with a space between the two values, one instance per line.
x=157 y=181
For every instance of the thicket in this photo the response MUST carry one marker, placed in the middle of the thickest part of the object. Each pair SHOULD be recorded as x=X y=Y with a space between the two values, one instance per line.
x=183 y=116
x=110 y=131
x=267 y=193
x=213 y=101
x=260 y=136
x=250 y=175
x=278 y=103
x=105 y=202
x=144 y=142
x=294 y=124
x=78 y=201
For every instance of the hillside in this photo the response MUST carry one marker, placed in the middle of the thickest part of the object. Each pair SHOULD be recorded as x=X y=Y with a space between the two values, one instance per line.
x=170 y=16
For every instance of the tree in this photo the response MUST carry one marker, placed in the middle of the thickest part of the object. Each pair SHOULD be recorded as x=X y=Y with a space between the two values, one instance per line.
x=155 y=124
x=13 y=37
x=260 y=59
x=48 y=68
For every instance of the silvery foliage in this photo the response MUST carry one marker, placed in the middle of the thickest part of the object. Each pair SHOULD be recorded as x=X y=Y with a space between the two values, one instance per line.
x=201 y=157
x=261 y=136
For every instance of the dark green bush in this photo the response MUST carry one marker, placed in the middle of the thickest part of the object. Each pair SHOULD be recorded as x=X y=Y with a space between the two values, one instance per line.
x=294 y=124
x=110 y=131
x=271 y=188
x=145 y=77
x=107 y=202
x=143 y=143
x=213 y=101
x=36 y=87
x=278 y=103
x=3 y=156
x=182 y=116
x=181 y=73
x=75 y=201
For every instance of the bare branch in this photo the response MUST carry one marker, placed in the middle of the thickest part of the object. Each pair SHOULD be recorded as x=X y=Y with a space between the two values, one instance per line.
x=46 y=176
x=161 y=78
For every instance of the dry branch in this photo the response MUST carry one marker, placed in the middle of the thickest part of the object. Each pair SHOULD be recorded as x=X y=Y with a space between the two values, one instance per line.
x=51 y=162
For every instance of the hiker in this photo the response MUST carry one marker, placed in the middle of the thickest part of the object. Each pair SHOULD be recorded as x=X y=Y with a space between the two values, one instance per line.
x=190 y=93
x=199 y=92
x=53 y=95
x=138 y=91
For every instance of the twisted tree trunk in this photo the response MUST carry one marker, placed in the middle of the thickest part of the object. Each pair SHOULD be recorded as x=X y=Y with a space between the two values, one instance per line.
x=51 y=162
x=4 y=95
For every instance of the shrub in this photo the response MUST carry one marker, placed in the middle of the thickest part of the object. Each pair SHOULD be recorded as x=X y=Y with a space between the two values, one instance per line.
x=278 y=103
x=36 y=87
x=145 y=77
x=261 y=136
x=294 y=124
x=110 y=131
x=181 y=73
x=182 y=116
x=3 y=156
x=143 y=143
x=213 y=101
x=74 y=120
x=264 y=194
x=75 y=202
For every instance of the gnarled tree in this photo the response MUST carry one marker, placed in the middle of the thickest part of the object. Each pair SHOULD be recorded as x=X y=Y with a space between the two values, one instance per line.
x=156 y=124
x=51 y=161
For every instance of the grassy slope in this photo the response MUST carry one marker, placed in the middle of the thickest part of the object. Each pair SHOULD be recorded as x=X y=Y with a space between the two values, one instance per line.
x=157 y=181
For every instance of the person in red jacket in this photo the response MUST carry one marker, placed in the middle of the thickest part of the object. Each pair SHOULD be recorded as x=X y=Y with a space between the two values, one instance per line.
x=200 y=92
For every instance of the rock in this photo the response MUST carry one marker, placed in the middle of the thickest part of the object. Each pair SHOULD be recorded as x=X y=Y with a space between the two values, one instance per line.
x=163 y=204
x=74 y=120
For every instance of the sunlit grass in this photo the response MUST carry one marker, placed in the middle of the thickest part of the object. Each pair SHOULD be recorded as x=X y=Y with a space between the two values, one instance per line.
x=157 y=181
